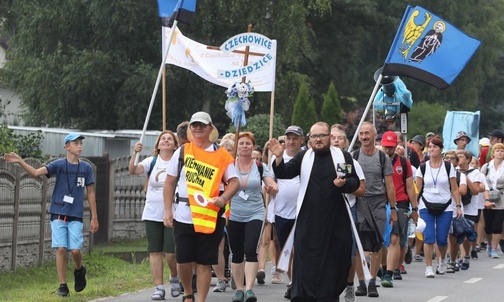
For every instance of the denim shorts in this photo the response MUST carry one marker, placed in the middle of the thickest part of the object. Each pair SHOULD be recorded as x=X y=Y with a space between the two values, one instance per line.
x=67 y=234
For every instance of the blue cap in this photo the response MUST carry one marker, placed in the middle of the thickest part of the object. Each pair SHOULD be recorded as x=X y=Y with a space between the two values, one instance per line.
x=73 y=136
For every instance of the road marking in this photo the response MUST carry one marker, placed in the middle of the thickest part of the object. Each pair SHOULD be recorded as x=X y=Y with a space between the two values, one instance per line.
x=500 y=266
x=437 y=299
x=473 y=280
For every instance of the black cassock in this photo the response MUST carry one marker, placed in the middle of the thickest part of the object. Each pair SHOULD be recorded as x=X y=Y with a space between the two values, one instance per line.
x=323 y=238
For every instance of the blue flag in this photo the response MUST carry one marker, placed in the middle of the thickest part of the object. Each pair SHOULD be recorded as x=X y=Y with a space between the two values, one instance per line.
x=456 y=121
x=181 y=10
x=429 y=49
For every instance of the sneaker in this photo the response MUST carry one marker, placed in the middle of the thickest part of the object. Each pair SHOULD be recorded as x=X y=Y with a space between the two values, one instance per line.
x=429 y=273
x=403 y=270
x=239 y=296
x=250 y=296
x=483 y=246
x=277 y=278
x=349 y=294
x=380 y=273
x=220 y=287
x=450 y=268
x=386 y=282
x=457 y=267
x=408 y=257
x=361 y=290
x=397 y=275
x=372 y=291
x=63 y=291
x=260 y=276
x=273 y=269
x=159 y=294
x=442 y=268
x=474 y=254
x=175 y=287
x=287 y=294
x=489 y=251
x=464 y=266
x=418 y=258
x=494 y=254
x=80 y=279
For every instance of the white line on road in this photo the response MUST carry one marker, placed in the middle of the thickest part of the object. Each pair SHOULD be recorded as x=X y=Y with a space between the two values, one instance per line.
x=437 y=299
x=500 y=266
x=473 y=280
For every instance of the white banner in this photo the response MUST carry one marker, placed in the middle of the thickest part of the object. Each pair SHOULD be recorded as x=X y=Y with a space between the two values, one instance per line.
x=221 y=68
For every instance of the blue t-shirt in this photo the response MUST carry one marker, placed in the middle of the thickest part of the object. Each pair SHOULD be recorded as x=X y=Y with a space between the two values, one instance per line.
x=253 y=207
x=71 y=180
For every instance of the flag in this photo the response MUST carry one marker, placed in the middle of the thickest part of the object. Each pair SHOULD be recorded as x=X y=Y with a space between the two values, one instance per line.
x=182 y=10
x=466 y=121
x=429 y=49
x=218 y=67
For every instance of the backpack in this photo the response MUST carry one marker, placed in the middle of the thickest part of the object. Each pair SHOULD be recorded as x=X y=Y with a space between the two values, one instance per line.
x=382 y=159
x=465 y=199
x=152 y=164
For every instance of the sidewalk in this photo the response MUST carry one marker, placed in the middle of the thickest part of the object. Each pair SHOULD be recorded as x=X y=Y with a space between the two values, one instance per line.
x=265 y=293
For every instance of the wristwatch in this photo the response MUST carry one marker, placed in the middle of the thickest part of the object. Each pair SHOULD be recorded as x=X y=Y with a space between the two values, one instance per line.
x=415 y=209
x=394 y=208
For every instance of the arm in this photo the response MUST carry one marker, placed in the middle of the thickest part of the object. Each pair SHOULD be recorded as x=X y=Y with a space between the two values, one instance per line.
x=138 y=169
x=361 y=190
x=456 y=195
x=168 y=193
x=232 y=187
x=14 y=158
x=391 y=196
x=288 y=170
x=271 y=185
x=93 y=225
x=410 y=190
x=473 y=186
x=276 y=148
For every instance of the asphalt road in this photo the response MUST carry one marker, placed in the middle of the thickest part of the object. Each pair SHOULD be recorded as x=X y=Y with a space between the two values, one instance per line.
x=481 y=282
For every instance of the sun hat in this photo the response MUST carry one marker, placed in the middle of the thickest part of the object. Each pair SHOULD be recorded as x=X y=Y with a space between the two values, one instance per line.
x=461 y=134
x=202 y=117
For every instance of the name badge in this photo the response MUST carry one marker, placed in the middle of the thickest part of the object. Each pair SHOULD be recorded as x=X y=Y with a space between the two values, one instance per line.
x=434 y=190
x=68 y=199
x=243 y=195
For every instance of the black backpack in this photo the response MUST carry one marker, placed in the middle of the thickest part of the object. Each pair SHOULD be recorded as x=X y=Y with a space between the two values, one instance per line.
x=465 y=199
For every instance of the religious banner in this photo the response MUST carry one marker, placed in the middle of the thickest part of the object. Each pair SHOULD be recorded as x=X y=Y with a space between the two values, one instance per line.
x=224 y=66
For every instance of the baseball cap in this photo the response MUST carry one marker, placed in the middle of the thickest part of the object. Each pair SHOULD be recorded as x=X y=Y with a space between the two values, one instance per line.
x=484 y=142
x=461 y=134
x=389 y=139
x=496 y=133
x=295 y=130
x=201 y=117
x=379 y=137
x=73 y=136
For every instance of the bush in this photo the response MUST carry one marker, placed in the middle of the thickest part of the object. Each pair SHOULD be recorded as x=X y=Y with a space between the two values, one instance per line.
x=27 y=146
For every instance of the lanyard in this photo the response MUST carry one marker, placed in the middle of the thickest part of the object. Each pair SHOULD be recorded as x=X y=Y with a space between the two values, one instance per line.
x=70 y=189
x=434 y=180
x=244 y=183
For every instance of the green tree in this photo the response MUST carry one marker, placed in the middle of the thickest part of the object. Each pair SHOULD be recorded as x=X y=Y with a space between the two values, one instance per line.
x=259 y=126
x=304 y=114
x=331 y=108
x=420 y=123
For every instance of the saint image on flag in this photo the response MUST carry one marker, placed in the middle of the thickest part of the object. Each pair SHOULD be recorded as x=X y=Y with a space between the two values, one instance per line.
x=429 y=49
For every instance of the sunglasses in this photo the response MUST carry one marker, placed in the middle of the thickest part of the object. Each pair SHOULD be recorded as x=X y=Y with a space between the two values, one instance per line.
x=450 y=158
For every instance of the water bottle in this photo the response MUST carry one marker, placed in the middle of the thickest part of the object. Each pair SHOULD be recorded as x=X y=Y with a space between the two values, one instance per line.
x=411 y=228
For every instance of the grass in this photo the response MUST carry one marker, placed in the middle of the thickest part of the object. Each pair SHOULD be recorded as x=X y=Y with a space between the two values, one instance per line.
x=107 y=276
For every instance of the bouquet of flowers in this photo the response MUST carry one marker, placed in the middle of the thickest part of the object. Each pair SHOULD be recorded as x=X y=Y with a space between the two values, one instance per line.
x=238 y=102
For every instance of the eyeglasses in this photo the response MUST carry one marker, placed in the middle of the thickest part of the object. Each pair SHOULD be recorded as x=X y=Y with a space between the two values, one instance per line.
x=450 y=158
x=319 y=136
x=198 y=125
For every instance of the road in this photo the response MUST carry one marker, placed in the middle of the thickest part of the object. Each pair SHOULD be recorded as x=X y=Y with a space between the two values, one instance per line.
x=481 y=282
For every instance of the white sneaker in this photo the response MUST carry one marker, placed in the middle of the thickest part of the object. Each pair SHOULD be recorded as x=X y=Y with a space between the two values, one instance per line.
x=350 y=294
x=277 y=278
x=220 y=287
x=442 y=268
x=429 y=273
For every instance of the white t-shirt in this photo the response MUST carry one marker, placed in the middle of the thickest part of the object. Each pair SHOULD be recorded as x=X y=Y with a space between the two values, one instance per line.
x=154 y=203
x=183 y=213
x=358 y=170
x=472 y=207
x=285 y=201
x=436 y=186
x=481 y=195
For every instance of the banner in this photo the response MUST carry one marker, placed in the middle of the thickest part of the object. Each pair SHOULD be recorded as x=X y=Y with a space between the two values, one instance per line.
x=456 y=121
x=225 y=68
x=429 y=49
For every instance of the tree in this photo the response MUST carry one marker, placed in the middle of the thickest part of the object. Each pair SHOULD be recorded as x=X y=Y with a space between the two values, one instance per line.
x=420 y=123
x=331 y=108
x=259 y=126
x=304 y=114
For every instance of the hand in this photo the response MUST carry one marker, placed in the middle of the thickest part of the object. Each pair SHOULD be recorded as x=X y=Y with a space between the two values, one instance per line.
x=489 y=204
x=138 y=147
x=459 y=212
x=414 y=216
x=168 y=218
x=94 y=226
x=218 y=201
x=393 y=217
x=275 y=147
x=12 y=157
x=339 y=182
x=272 y=190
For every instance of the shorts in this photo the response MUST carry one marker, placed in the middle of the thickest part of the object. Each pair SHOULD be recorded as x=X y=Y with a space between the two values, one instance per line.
x=67 y=234
x=197 y=247
x=159 y=237
x=472 y=218
x=283 y=229
x=401 y=227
